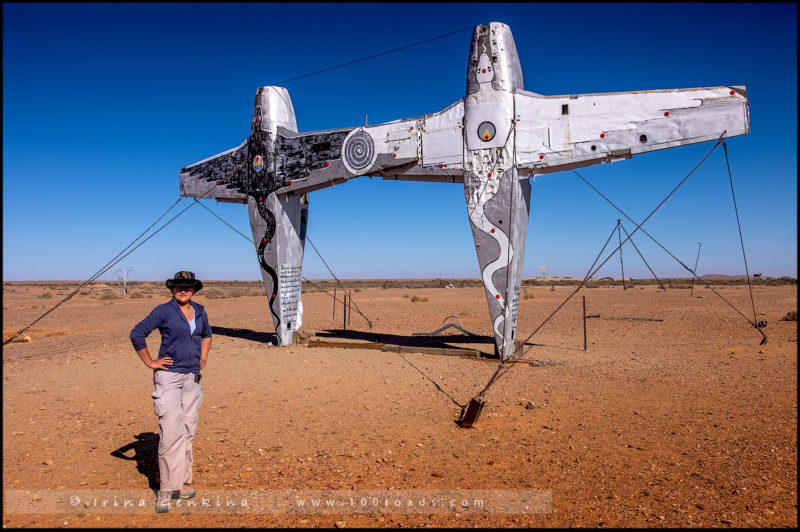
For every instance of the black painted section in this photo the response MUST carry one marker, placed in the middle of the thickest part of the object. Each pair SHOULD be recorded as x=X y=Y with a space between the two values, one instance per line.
x=298 y=156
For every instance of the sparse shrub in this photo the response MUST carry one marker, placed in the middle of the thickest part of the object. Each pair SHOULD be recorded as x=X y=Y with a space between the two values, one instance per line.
x=138 y=295
x=387 y=284
x=591 y=284
x=527 y=296
x=553 y=288
x=108 y=294
x=405 y=295
x=213 y=293
x=790 y=316
x=46 y=295
x=414 y=299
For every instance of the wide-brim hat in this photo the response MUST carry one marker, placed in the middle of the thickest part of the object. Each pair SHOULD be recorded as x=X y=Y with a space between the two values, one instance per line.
x=184 y=279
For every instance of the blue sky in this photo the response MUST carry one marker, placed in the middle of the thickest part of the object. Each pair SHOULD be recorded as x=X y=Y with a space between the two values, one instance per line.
x=104 y=103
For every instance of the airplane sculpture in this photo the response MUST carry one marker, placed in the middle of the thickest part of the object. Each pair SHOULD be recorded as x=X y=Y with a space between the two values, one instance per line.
x=492 y=141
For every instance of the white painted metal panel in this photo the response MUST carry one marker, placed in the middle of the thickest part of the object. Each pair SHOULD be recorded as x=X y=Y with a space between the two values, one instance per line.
x=443 y=137
x=595 y=126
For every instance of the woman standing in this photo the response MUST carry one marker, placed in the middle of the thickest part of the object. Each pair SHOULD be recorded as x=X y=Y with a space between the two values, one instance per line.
x=185 y=342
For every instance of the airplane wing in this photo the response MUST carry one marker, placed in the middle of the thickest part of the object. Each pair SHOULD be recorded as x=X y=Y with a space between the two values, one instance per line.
x=297 y=163
x=556 y=133
x=222 y=177
x=394 y=150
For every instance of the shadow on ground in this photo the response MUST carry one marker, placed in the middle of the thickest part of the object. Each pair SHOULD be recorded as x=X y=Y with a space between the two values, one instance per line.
x=246 y=334
x=145 y=452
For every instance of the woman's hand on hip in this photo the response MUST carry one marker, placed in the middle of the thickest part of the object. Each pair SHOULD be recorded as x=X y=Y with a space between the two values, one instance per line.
x=161 y=363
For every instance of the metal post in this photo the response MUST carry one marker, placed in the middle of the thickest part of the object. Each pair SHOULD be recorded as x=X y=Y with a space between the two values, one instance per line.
x=699 y=245
x=334 y=304
x=349 y=308
x=344 y=312
x=584 y=323
x=619 y=233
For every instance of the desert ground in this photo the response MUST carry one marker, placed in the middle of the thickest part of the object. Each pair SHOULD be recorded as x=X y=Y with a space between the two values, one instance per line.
x=673 y=416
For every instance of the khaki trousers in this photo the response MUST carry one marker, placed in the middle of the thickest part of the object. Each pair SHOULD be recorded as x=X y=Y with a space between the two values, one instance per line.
x=176 y=400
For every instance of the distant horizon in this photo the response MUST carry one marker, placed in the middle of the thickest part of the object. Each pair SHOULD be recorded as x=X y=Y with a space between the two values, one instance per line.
x=708 y=276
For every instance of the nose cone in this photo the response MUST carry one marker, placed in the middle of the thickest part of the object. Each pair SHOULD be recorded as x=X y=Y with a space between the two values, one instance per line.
x=272 y=108
x=493 y=59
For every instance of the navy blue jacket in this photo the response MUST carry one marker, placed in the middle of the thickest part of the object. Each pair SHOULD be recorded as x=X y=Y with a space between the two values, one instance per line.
x=176 y=340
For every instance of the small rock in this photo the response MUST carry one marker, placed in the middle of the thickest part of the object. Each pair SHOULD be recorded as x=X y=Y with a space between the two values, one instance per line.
x=529 y=406
x=48 y=462
x=36 y=497
x=420 y=445
x=339 y=524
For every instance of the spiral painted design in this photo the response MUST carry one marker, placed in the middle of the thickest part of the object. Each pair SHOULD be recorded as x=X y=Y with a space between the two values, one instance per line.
x=269 y=234
x=359 y=150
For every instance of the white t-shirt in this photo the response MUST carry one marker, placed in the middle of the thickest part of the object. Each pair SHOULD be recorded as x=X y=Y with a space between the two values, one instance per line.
x=192 y=326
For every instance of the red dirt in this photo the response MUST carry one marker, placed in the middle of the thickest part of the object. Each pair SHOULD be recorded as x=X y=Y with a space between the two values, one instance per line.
x=685 y=422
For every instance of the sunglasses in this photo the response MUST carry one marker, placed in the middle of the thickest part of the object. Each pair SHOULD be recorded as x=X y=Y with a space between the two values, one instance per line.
x=183 y=288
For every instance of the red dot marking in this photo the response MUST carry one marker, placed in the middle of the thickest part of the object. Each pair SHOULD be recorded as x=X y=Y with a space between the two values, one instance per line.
x=497 y=296
x=290 y=183
x=541 y=157
x=490 y=174
x=394 y=156
x=732 y=93
x=602 y=135
x=327 y=163
x=666 y=113
x=492 y=230
x=259 y=198
x=441 y=166
x=264 y=240
x=484 y=71
x=258 y=118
